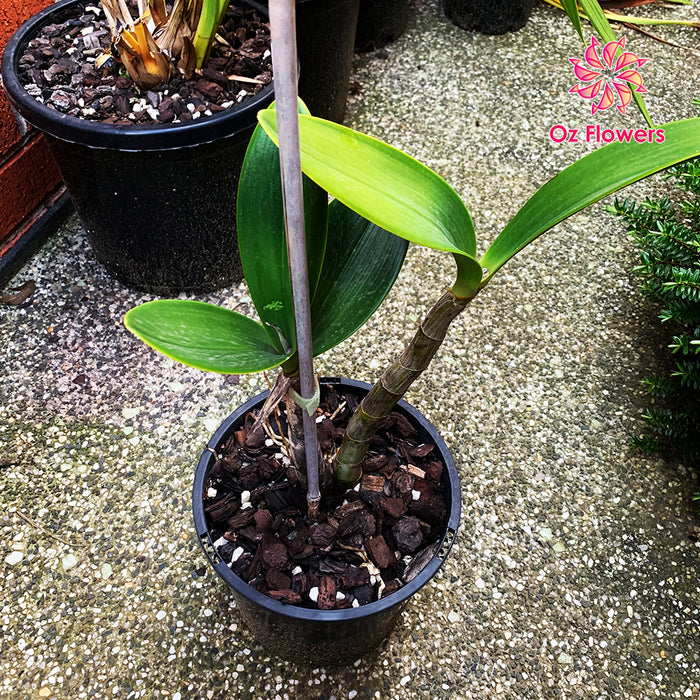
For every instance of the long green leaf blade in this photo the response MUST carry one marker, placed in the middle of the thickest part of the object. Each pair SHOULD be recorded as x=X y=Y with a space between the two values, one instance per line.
x=650 y=21
x=204 y=336
x=361 y=264
x=571 y=7
x=386 y=186
x=595 y=16
x=262 y=241
x=596 y=175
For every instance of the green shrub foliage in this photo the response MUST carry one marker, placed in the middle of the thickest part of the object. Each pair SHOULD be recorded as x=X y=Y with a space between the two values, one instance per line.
x=667 y=236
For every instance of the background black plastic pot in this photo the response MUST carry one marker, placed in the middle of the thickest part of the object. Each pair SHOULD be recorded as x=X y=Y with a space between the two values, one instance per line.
x=323 y=636
x=379 y=23
x=158 y=202
x=325 y=40
x=489 y=16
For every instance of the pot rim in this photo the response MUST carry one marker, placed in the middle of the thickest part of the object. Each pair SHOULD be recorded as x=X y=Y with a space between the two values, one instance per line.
x=310 y=614
x=124 y=137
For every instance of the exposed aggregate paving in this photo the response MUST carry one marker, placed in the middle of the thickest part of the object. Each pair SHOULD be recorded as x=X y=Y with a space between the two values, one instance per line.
x=574 y=573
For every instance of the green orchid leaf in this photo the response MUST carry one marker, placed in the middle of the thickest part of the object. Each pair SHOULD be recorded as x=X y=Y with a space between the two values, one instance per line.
x=262 y=240
x=382 y=184
x=361 y=264
x=469 y=276
x=596 y=175
x=204 y=336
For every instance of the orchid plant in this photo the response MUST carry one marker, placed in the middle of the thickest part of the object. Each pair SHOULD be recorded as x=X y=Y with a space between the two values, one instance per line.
x=147 y=45
x=382 y=199
x=353 y=260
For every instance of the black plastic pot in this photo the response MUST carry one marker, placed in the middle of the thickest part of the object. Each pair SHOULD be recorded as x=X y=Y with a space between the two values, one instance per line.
x=489 y=16
x=325 y=39
x=380 y=22
x=158 y=202
x=323 y=636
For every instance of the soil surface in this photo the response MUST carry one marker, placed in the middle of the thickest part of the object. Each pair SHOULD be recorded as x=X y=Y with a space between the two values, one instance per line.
x=59 y=69
x=368 y=541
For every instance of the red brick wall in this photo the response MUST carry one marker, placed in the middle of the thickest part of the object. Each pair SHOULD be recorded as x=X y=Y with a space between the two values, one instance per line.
x=27 y=172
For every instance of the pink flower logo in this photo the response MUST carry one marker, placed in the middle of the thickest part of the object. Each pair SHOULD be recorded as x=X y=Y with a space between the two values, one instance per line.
x=611 y=79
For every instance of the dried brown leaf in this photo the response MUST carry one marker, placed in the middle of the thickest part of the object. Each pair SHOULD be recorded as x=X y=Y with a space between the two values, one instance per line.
x=18 y=295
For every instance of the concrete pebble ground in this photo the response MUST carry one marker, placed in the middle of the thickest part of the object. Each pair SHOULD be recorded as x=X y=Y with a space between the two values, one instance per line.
x=575 y=570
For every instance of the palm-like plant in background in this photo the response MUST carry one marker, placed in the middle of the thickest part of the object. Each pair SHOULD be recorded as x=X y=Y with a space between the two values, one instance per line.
x=158 y=42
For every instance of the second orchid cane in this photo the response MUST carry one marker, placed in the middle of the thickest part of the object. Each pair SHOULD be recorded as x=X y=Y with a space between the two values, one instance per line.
x=284 y=64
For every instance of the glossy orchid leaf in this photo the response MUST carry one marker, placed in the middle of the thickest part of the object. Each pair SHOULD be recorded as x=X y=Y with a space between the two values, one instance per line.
x=386 y=186
x=204 y=336
x=594 y=176
x=361 y=264
x=262 y=241
x=469 y=276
